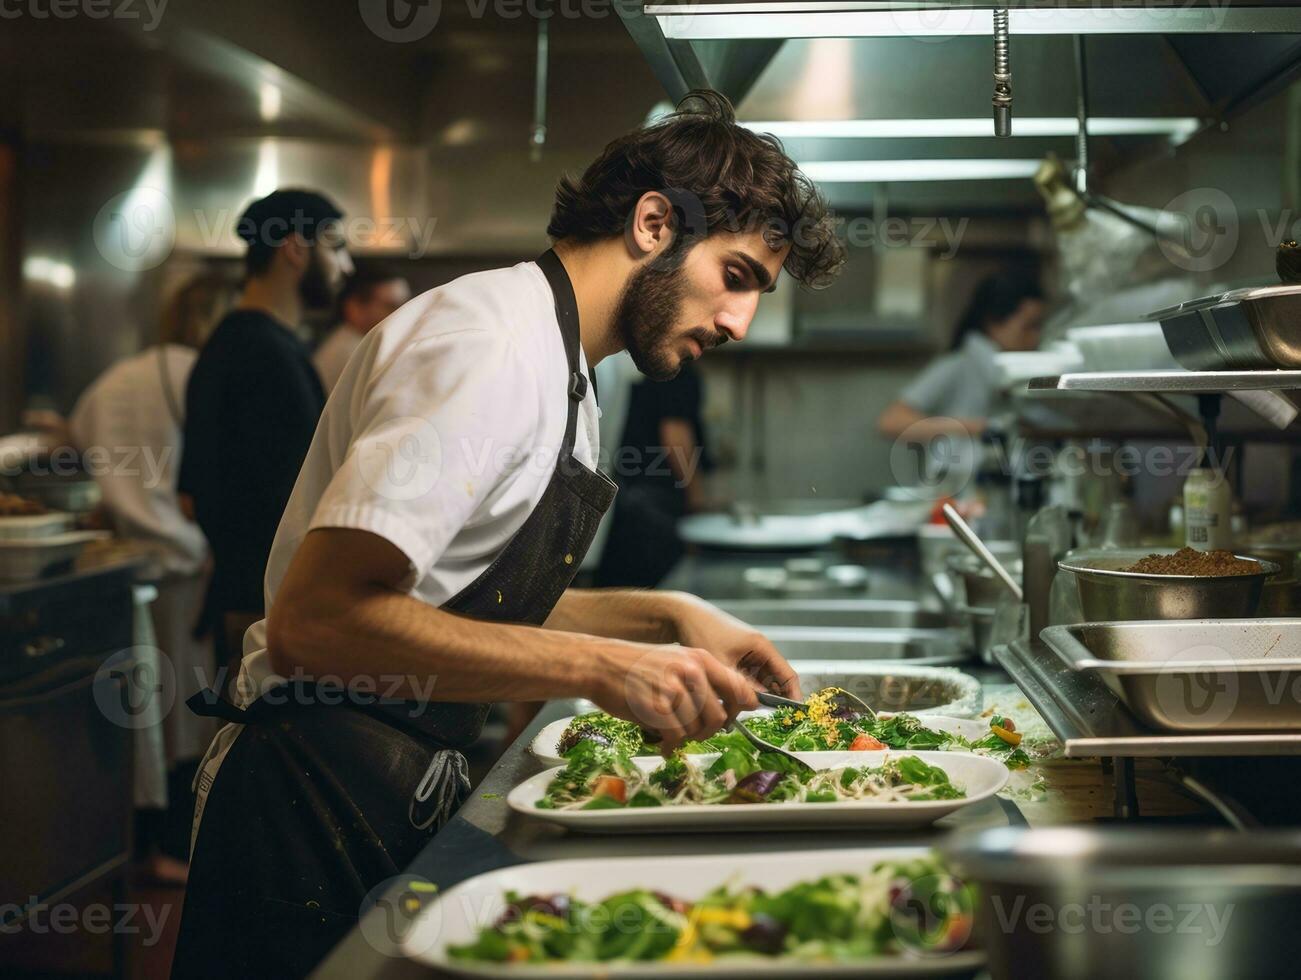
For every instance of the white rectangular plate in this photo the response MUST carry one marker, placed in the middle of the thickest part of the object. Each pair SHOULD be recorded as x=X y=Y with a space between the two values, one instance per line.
x=457 y=916
x=979 y=776
x=546 y=744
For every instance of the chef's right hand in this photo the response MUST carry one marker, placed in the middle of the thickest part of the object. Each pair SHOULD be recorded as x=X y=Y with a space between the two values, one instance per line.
x=679 y=693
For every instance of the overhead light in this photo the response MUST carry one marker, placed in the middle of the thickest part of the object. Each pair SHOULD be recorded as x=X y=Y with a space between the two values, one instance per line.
x=269 y=101
x=891 y=171
x=743 y=19
x=1177 y=128
x=267 y=176
x=42 y=269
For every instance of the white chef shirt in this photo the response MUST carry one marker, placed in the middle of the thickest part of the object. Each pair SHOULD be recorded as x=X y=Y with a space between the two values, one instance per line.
x=332 y=356
x=440 y=437
x=960 y=384
x=126 y=424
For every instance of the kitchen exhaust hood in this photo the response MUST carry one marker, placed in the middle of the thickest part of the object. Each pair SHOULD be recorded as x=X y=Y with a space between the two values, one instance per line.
x=845 y=82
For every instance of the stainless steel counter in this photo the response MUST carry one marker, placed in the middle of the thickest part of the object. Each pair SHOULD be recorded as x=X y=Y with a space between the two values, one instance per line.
x=485 y=835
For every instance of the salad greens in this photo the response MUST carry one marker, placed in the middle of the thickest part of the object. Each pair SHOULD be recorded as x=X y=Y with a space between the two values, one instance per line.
x=598 y=777
x=818 y=730
x=898 y=906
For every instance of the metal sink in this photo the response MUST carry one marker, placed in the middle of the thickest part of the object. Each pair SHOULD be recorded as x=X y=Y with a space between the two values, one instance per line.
x=893 y=614
x=929 y=647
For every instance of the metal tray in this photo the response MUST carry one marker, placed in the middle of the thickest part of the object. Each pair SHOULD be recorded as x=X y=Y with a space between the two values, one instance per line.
x=1194 y=675
x=1244 y=329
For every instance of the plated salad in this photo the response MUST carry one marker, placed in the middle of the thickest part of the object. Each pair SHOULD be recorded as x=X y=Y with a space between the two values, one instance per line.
x=898 y=906
x=822 y=728
x=599 y=777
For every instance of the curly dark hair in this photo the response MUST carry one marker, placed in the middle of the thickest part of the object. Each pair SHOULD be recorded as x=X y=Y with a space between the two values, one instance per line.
x=718 y=175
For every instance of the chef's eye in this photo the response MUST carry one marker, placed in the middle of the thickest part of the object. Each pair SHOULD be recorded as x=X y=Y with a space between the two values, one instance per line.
x=733 y=278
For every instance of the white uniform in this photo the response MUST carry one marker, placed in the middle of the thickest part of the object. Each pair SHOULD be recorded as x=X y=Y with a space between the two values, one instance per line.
x=333 y=354
x=440 y=437
x=129 y=422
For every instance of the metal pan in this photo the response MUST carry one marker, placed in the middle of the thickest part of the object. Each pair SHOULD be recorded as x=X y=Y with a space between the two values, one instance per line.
x=1244 y=330
x=1194 y=675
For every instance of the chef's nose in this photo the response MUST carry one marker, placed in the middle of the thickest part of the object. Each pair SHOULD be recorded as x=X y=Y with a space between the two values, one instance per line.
x=734 y=319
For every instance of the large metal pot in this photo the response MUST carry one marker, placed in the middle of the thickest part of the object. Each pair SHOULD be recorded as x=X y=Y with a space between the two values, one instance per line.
x=1110 y=595
x=1163 y=904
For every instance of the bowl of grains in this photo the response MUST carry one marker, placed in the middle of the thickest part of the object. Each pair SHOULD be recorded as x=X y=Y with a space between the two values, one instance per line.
x=1127 y=584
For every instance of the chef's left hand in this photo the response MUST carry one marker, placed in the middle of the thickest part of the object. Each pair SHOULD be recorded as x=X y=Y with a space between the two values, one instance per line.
x=735 y=644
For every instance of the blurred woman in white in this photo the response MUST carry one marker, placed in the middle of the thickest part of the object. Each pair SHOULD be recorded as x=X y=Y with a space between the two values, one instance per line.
x=134 y=411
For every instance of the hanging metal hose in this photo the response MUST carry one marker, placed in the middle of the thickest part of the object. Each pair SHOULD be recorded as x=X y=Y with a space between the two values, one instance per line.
x=1002 y=75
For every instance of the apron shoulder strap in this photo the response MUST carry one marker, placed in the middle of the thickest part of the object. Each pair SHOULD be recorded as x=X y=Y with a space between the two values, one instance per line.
x=562 y=292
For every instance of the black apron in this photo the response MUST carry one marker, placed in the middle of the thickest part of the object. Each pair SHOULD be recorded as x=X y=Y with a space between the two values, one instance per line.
x=315 y=804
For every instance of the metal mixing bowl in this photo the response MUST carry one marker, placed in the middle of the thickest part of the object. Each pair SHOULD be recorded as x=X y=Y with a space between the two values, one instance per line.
x=1110 y=595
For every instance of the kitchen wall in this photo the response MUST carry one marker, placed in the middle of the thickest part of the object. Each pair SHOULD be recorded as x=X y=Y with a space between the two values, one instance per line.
x=1241 y=177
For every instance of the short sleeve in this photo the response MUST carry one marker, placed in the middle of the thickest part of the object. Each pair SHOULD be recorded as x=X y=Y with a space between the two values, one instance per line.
x=933 y=388
x=433 y=436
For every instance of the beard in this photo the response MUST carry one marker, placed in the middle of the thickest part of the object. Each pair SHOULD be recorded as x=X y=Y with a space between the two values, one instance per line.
x=315 y=289
x=649 y=306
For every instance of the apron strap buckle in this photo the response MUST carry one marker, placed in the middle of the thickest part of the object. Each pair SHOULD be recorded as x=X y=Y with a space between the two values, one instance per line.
x=577 y=386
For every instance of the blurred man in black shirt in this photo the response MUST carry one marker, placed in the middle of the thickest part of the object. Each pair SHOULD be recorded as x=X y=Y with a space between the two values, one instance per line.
x=657 y=466
x=254 y=399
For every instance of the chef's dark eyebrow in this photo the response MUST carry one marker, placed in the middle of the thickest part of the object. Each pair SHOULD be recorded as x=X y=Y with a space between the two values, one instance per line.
x=761 y=275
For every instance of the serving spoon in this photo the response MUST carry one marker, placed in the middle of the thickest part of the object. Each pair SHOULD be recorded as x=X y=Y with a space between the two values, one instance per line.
x=764 y=746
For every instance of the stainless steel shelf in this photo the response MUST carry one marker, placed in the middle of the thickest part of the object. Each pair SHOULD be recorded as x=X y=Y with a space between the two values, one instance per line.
x=1090 y=721
x=1172 y=382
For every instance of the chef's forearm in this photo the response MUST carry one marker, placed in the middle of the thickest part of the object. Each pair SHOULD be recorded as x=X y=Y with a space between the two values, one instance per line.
x=624 y=614
x=399 y=646
x=340 y=613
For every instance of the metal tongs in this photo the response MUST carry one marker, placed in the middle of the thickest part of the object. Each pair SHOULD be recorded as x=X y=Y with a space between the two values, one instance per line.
x=764 y=746
x=840 y=699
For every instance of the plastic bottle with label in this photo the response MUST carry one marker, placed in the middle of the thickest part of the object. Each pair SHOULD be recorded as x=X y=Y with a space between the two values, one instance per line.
x=1208 y=510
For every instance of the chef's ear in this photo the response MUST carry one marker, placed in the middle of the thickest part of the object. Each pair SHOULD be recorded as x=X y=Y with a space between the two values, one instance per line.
x=297 y=252
x=650 y=227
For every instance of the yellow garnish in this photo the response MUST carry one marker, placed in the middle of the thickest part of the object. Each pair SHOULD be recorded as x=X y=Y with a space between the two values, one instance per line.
x=799 y=716
x=1011 y=738
x=737 y=919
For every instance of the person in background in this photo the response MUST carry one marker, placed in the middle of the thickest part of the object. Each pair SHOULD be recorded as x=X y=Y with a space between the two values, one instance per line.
x=368 y=296
x=956 y=391
x=138 y=403
x=254 y=399
x=657 y=464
